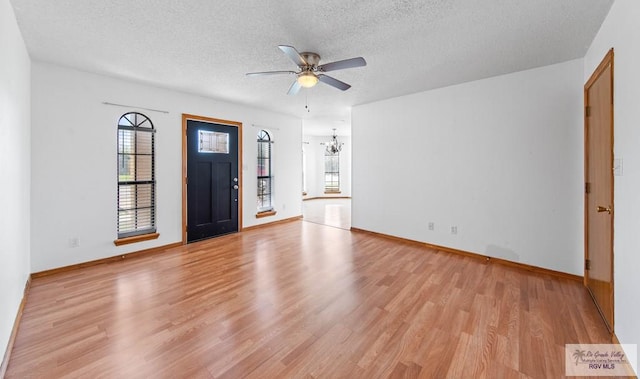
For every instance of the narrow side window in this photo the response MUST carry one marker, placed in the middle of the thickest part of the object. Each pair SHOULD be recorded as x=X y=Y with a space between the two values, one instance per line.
x=331 y=172
x=265 y=175
x=136 y=176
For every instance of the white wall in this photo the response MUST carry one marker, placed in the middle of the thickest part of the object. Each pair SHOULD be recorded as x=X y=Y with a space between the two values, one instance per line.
x=500 y=158
x=314 y=152
x=621 y=30
x=14 y=170
x=74 y=161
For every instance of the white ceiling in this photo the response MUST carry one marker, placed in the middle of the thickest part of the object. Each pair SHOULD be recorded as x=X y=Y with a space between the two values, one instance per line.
x=206 y=46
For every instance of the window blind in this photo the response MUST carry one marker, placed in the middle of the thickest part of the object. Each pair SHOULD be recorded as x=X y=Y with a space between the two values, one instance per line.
x=265 y=177
x=136 y=176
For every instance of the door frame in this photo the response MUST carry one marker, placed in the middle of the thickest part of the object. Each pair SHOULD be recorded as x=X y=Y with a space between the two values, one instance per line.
x=607 y=61
x=186 y=117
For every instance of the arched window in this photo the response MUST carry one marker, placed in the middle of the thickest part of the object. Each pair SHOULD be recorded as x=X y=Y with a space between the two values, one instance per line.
x=265 y=175
x=136 y=176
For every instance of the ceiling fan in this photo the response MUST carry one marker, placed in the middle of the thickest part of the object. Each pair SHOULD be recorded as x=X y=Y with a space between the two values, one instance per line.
x=309 y=72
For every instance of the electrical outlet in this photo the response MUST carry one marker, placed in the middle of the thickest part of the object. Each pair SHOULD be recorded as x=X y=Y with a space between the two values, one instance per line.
x=74 y=242
x=432 y=226
x=454 y=230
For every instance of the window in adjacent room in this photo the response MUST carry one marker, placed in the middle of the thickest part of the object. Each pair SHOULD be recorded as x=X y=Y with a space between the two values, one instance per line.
x=331 y=172
x=136 y=179
x=304 y=172
x=265 y=175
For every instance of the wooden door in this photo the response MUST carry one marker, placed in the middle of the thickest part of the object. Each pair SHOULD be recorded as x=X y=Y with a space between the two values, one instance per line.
x=599 y=188
x=212 y=180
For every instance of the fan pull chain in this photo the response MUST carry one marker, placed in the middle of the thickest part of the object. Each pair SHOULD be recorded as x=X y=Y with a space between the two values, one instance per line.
x=306 y=102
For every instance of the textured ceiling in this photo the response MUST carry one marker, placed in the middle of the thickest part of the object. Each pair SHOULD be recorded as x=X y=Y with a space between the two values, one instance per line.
x=206 y=47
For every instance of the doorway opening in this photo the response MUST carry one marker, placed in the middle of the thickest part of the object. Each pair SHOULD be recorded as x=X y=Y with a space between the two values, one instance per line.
x=326 y=160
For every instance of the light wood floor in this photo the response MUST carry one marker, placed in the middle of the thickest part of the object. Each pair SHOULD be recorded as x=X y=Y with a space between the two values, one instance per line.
x=301 y=300
x=328 y=211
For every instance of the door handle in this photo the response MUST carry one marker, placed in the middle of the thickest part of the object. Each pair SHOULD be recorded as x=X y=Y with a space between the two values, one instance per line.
x=604 y=209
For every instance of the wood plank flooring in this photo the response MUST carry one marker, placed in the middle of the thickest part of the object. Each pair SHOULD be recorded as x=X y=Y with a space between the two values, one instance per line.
x=328 y=211
x=301 y=300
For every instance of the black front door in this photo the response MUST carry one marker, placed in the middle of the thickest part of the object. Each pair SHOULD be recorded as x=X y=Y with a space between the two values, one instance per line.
x=212 y=180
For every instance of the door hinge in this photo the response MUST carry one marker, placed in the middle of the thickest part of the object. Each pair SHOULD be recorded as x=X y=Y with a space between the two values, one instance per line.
x=587 y=264
x=186 y=180
x=587 y=187
x=587 y=111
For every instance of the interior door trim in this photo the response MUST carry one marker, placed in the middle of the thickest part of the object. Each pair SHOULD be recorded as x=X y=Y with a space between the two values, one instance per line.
x=607 y=61
x=186 y=117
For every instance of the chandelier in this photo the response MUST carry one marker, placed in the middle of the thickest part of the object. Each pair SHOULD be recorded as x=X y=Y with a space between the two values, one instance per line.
x=333 y=146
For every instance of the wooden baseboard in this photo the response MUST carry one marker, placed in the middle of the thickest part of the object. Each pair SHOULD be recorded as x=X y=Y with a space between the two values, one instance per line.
x=488 y=259
x=14 y=331
x=326 y=197
x=137 y=253
x=295 y=218
x=152 y=250
x=116 y=258
x=614 y=339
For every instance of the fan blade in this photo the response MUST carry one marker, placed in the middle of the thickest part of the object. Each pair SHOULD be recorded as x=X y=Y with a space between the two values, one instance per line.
x=295 y=87
x=341 y=65
x=333 y=82
x=269 y=73
x=293 y=54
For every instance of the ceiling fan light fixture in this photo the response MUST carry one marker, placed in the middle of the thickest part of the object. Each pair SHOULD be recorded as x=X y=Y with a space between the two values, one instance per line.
x=311 y=71
x=307 y=79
